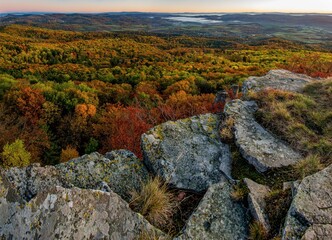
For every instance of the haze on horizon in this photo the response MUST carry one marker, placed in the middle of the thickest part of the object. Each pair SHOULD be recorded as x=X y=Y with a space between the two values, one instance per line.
x=294 y=6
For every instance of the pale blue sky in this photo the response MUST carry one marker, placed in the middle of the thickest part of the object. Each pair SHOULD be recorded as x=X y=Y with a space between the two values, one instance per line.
x=167 y=5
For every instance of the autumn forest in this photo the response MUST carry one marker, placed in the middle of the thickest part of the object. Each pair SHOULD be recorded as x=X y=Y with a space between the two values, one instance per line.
x=65 y=93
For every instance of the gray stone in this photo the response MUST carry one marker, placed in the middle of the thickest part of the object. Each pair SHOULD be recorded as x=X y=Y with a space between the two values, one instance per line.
x=188 y=153
x=60 y=213
x=293 y=185
x=311 y=209
x=121 y=171
x=256 y=201
x=217 y=217
x=258 y=146
x=277 y=79
x=318 y=231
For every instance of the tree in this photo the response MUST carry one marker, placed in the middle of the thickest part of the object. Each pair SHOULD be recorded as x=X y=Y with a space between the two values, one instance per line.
x=15 y=155
x=68 y=154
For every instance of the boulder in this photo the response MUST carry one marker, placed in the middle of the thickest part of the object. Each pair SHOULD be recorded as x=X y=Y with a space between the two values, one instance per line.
x=120 y=171
x=188 y=153
x=256 y=201
x=310 y=213
x=277 y=79
x=31 y=179
x=60 y=213
x=217 y=217
x=258 y=146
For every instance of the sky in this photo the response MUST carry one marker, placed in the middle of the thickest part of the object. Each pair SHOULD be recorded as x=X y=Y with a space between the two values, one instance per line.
x=312 y=6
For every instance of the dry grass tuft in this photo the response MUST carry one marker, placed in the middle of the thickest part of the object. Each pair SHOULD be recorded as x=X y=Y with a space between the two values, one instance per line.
x=257 y=231
x=151 y=235
x=308 y=166
x=155 y=202
x=226 y=132
x=240 y=192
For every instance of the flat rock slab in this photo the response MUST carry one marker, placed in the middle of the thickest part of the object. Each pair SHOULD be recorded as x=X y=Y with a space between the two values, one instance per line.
x=256 y=201
x=75 y=213
x=258 y=146
x=188 y=153
x=310 y=213
x=217 y=217
x=277 y=79
x=121 y=171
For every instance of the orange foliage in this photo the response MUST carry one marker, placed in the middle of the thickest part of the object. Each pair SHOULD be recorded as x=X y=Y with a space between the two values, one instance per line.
x=68 y=154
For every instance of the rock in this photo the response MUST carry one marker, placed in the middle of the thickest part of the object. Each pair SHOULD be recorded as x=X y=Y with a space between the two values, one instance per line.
x=32 y=179
x=277 y=79
x=188 y=153
x=292 y=186
x=121 y=170
x=258 y=146
x=310 y=213
x=256 y=201
x=75 y=213
x=318 y=231
x=217 y=217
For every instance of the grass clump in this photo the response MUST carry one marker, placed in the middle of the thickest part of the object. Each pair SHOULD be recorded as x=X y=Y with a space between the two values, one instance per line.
x=257 y=231
x=240 y=191
x=277 y=205
x=308 y=166
x=155 y=202
x=302 y=119
x=151 y=235
x=226 y=132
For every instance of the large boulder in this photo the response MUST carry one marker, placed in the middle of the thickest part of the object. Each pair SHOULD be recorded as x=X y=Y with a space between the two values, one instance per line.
x=188 y=153
x=60 y=213
x=256 y=202
x=121 y=171
x=217 y=217
x=277 y=79
x=258 y=146
x=310 y=213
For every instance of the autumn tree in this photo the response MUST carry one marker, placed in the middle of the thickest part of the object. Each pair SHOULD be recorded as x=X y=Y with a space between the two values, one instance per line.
x=15 y=155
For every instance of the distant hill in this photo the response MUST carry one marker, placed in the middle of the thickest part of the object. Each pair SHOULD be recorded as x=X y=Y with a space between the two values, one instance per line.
x=305 y=28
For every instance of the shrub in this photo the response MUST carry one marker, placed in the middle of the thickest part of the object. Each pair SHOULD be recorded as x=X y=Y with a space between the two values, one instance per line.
x=226 y=132
x=308 y=166
x=15 y=155
x=257 y=231
x=68 y=154
x=154 y=202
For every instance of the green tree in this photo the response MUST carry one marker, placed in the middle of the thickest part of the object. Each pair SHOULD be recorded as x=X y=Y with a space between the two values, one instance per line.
x=15 y=155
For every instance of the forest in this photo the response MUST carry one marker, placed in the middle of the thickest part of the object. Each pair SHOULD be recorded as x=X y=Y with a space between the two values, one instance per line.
x=65 y=93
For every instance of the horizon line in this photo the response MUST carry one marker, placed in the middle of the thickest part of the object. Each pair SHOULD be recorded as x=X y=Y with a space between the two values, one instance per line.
x=86 y=12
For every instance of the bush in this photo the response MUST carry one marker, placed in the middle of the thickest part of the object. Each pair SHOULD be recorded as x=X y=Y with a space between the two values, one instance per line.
x=68 y=154
x=154 y=202
x=15 y=155
x=308 y=166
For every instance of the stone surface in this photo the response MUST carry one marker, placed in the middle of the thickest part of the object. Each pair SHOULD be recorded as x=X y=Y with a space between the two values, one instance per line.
x=277 y=79
x=310 y=213
x=256 y=196
x=258 y=146
x=121 y=171
x=217 y=217
x=60 y=213
x=188 y=153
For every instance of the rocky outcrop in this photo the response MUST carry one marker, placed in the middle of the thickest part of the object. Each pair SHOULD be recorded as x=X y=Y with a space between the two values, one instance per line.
x=60 y=213
x=258 y=146
x=310 y=213
x=277 y=79
x=217 y=217
x=188 y=153
x=121 y=171
x=256 y=202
